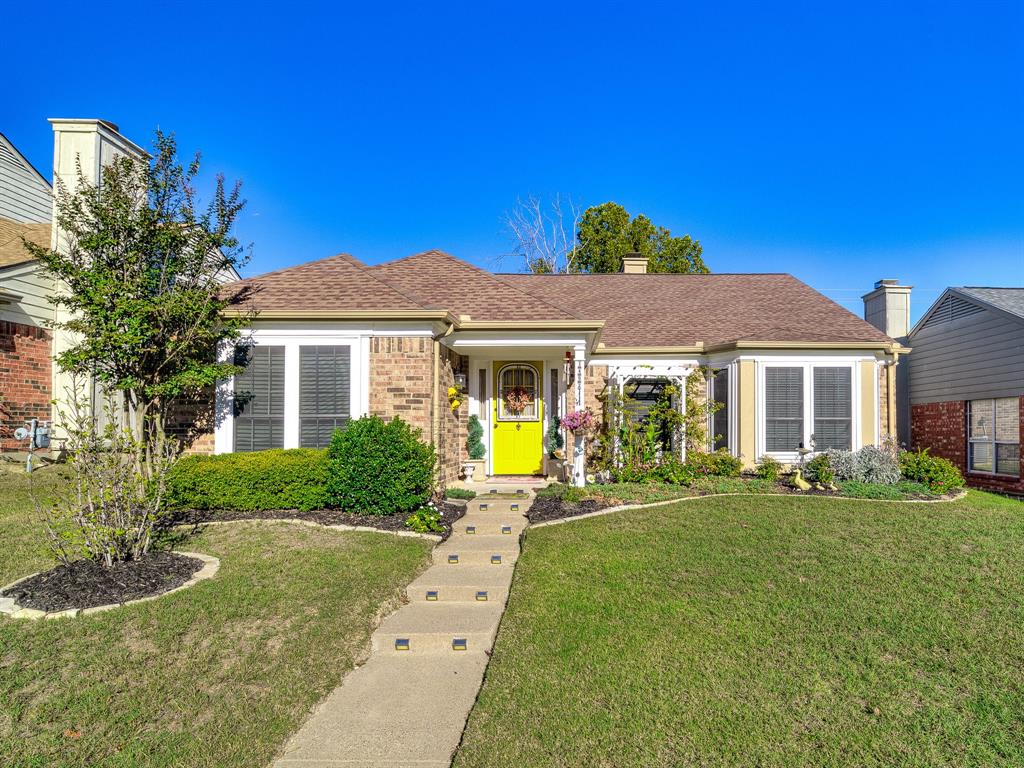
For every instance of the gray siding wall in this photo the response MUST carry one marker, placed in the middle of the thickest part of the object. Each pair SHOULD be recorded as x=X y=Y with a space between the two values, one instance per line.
x=981 y=355
x=23 y=195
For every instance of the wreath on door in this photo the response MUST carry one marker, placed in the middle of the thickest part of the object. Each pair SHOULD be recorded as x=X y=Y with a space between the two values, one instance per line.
x=517 y=400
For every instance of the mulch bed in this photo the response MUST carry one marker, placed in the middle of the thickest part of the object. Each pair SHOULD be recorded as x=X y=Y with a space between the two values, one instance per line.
x=449 y=514
x=87 y=584
x=551 y=508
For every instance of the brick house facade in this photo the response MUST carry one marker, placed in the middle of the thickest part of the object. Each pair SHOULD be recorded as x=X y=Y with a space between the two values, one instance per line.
x=942 y=429
x=25 y=378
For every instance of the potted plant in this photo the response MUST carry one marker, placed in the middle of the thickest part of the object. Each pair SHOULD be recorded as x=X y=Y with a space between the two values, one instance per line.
x=475 y=448
x=555 y=445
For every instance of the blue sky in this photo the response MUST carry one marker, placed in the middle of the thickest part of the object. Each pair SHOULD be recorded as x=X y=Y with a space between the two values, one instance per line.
x=842 y=143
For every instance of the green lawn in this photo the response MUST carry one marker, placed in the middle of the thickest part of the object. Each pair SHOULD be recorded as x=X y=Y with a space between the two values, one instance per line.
x=766 y=631
x=217 y=675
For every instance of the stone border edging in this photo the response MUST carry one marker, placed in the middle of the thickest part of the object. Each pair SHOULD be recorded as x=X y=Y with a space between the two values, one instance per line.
x=626 y=507
x=435 y=537
x=210 y=567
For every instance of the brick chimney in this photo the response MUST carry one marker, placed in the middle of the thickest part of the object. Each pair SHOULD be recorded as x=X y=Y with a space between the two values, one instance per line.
x=634 y=264
x=888 y=308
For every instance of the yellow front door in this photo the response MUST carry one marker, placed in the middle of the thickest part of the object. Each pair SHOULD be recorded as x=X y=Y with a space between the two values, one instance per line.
x=518 y=419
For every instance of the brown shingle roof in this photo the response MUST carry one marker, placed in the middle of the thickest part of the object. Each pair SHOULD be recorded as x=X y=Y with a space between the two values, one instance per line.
x=12 y=250
x=440 y=281
x=651 y=310
x=340 y=283
x=656 y=310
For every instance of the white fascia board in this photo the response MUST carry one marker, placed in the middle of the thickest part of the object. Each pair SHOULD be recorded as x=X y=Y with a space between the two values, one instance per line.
x=483 y=339
x=805 y=355
x=649 y=360
x=342 y=327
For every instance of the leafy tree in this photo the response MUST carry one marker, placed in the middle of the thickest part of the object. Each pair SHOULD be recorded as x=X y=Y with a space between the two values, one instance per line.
x=137 y=268
x=607 y=232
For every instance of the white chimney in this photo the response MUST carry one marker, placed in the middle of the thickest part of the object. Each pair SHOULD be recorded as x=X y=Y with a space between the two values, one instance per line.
x=888 y=308
x=93 y=143
x=634 y=264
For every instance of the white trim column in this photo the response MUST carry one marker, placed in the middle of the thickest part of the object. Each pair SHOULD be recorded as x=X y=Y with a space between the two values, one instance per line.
x=579 y=458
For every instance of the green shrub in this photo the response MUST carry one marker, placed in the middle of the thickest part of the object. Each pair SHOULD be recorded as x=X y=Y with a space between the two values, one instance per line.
x=893 y=491
x=460 y=493
x=769 y=469
x=380 y=467
x=674 y=471
x=819 y=470
x=719 y=463
x=275 y=479
x=426 y=519
x=939 y=474
x=474 y=438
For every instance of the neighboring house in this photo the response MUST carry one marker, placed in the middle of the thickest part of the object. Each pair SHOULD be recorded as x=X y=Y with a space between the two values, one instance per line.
x=967 y=384
x=29 y=381
x=25 y=370
x=336 y=338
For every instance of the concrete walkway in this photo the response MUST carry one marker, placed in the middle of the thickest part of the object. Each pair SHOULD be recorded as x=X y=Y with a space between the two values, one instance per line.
x=407 y=706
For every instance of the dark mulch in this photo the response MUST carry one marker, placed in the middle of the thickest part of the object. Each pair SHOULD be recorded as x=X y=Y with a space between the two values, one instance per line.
x=86 y=584
x=550 y=508
x=450 y=512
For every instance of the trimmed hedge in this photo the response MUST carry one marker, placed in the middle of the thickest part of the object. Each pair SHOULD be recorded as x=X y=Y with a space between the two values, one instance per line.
x=294 y=478
x=380 y=467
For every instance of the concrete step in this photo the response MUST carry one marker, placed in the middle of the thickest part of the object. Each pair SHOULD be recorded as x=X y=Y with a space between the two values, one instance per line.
x=456 y=556
x=479 y=543
x=433 y=628
x=518 y=506
x=489 y=528
x=486 y=522
x=390 y=709
x=471 y=576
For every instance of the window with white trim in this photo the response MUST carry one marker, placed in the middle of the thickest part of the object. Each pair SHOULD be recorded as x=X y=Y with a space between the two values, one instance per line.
x=259 y=399
x=833 y=408
x=993 y=436
x=808 y=406
x=325 y=389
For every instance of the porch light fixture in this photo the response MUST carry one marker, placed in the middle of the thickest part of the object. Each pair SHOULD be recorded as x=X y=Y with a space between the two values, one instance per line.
x=453 y=559
x=461 y=381
x=432 y=595
x=481 y=596
x=402 y=644
x=495 y=559
x=459 y=644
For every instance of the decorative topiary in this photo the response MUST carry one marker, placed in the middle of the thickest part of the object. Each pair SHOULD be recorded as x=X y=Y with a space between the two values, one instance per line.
x=380 y=467
x=474 y=435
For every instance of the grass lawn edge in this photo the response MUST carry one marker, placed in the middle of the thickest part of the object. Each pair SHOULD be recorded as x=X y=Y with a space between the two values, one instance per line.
x=959 y=494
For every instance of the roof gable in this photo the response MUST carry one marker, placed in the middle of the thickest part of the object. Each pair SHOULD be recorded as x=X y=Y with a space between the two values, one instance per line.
x=340 y=283
x=957 y=303
x=25 y=196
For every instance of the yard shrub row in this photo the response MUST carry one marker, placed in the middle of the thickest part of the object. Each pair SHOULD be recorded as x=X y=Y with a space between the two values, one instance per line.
x=277 y=479
x=373 y=467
